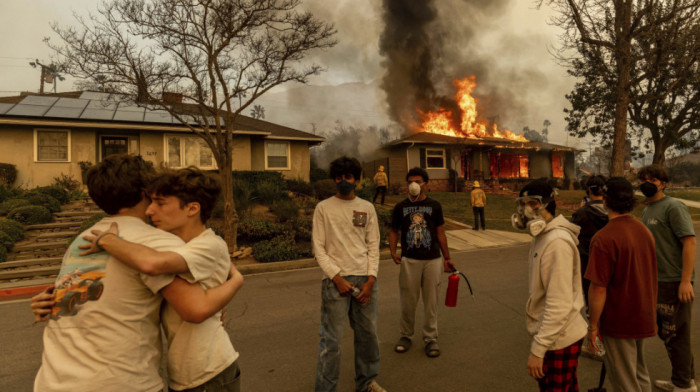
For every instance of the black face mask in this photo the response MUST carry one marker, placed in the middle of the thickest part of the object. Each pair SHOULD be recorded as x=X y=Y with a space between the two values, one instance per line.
x=648 y=189
x=344 y=187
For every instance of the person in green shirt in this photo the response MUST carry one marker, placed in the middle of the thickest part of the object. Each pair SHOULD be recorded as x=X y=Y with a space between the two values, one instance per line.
x=670 y=223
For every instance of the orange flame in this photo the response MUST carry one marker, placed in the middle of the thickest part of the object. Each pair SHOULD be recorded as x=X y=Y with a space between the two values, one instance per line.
x=440 y=122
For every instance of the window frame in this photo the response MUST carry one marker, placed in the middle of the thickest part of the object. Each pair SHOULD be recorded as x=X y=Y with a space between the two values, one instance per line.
x=182 y=137
x=288 y=156
x=36 y=145
x=443 y=156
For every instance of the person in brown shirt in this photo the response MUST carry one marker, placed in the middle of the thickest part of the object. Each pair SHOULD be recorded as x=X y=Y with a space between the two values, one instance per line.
x=622 y=295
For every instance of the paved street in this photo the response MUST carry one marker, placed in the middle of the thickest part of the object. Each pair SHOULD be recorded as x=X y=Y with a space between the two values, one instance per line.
x=274 y=321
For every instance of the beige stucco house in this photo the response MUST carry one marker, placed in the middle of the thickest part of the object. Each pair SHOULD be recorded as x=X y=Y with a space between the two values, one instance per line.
x=45 y=136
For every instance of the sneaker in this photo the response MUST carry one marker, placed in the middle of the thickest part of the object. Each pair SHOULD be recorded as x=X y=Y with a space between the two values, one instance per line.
x=666 y=385
x=374 y=387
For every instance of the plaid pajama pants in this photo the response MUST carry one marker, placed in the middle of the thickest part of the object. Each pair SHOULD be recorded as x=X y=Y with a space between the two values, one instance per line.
x=560 y=369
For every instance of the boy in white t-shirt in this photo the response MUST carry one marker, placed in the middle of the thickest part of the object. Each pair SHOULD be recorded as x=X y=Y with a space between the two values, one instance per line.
x=200 y=356
x=104 y=332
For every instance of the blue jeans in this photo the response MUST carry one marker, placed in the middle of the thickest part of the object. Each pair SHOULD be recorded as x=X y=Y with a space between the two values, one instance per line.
x=336 y=310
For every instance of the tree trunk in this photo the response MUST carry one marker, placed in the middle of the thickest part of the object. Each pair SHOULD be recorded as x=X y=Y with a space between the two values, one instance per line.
x=659 y=154
x=230 y=214
x=623 y=45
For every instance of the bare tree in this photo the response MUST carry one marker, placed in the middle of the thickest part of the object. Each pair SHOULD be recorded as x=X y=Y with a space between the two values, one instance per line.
x=213 y=52
x=604 y=34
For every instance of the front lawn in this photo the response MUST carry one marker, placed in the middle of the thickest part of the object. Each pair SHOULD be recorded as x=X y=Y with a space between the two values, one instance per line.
x=690 y=194
x=499 y=208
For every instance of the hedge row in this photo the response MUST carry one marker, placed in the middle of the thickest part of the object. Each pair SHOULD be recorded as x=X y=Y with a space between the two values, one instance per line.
x=10 y=232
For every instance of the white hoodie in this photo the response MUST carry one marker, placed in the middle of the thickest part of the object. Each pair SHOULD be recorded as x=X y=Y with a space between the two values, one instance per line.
x=553 y=310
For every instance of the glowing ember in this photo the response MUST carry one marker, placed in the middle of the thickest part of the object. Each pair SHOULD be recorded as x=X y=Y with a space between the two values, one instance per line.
x=440 y=122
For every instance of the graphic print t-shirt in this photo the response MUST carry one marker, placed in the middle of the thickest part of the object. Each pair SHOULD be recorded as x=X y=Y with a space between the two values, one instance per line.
x=418 y=222
x=104 y=333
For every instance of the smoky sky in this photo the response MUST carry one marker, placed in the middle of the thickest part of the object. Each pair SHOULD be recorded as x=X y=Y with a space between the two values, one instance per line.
x=427 y=44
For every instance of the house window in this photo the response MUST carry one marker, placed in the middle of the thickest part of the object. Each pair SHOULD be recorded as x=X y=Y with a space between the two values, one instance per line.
x=52 y=146
x=184 y=151
x=434 y=159
x=277 y=155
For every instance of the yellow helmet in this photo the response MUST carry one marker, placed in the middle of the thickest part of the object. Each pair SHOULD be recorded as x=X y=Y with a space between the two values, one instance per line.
x=476 y=184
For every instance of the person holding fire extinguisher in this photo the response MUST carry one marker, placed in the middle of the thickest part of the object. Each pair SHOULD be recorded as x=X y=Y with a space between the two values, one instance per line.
x=423 y=239
x=554 y=318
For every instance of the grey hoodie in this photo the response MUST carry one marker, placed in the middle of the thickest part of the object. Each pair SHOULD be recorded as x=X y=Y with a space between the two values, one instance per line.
x=554 y=318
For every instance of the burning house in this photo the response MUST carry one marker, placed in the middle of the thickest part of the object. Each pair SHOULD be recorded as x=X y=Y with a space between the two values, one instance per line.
x=457 y=143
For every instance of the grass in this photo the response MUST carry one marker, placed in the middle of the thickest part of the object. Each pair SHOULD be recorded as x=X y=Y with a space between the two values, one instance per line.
x=690 y=194
x=499 y=208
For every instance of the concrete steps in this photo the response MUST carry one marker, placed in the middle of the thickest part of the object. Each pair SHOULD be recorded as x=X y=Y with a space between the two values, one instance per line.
x=39 y=255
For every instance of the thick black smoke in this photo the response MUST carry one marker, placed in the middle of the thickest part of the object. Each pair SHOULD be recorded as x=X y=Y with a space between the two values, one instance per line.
x=428 y=44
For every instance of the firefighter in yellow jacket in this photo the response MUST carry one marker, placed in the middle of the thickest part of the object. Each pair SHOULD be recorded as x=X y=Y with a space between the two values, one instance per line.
x=478 y=198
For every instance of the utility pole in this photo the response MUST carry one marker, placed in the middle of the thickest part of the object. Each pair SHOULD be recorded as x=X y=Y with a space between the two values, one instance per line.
x=49 y=74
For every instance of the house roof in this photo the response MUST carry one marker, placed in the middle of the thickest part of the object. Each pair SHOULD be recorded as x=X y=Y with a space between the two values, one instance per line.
x=434 y=138
x=96 y=109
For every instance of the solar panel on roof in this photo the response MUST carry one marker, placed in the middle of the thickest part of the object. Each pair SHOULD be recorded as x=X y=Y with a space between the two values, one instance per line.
x=97 y=114
x=95 y=104
x=4 y=107
x=71 y=103
x=158 y=116
x=28 y=110
x=95 y=95
x=39 y=100
x=64 y=112
x=129 y=113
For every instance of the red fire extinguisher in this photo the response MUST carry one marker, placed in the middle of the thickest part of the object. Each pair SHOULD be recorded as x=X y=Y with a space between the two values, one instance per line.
x=453 y=286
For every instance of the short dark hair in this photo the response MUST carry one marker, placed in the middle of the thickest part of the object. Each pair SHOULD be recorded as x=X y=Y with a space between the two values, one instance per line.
x=188 y=185
x=595 y=184
x=619 y=195
x=345 y=165
x=653 y=171
x=119 y=181
x=541 y=188
x=418 y=171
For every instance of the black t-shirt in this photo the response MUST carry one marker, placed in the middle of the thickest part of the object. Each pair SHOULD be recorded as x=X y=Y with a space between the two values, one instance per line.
x=418 y=222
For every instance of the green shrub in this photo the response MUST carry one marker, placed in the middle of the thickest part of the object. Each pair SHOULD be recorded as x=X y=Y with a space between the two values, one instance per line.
x=57 y=192
x=301 y=187
x=5 y=193
x=280 y=248
x=317 y=174
x=13 y=228
x=256 y=177
x=66 y=182
x=8 y=174
x=268 y=192
x=323 y=189
x=6 y=241
x=30 y=215
x=44 y=200
x=365 y=190
x=301 y=227
x=3 y=254
x=78 y=194
x=285 y=209
x=9 y=205
x=243 y=196
x=252 y=230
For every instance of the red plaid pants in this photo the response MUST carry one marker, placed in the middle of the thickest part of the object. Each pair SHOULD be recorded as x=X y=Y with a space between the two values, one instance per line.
x=560 y=369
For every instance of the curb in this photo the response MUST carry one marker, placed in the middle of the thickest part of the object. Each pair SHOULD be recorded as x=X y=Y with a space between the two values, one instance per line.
x=21 y=292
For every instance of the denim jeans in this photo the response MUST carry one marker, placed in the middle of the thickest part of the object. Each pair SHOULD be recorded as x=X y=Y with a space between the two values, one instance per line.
x=336 y=310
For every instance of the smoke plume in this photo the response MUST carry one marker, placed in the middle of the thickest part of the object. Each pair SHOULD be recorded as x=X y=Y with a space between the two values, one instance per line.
x=428 y=44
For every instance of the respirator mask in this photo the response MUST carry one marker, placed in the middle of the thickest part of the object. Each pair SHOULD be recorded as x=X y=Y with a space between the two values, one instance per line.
x=527 y=218
x=414 y=189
